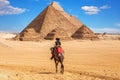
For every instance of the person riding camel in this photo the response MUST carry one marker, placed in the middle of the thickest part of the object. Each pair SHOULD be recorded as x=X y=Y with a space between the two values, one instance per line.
x=57 y=49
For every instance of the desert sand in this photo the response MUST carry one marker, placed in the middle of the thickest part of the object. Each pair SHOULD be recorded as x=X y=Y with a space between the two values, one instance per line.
x=84 y=60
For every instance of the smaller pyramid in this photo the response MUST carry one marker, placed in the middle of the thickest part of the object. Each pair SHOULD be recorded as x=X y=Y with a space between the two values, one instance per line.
x=57 y=33
x=84 y=33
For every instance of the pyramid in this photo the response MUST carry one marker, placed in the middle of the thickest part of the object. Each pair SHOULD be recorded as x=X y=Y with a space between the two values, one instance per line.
x=53 y=17
x=57 y=32
x=84 y=33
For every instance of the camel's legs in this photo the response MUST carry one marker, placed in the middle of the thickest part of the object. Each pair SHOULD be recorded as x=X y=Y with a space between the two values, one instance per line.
x=56 y=65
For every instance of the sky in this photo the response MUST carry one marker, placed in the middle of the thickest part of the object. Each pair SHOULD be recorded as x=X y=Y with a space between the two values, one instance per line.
x=99 y=15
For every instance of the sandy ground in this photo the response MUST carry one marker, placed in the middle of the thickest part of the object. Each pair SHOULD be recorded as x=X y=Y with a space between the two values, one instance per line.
x=84 y=60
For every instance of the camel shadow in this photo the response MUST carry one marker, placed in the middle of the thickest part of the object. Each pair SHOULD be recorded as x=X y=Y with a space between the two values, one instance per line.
x=46 y=73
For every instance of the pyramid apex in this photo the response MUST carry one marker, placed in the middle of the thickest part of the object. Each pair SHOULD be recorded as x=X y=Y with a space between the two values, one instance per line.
x=53 y=2
x=56 y=6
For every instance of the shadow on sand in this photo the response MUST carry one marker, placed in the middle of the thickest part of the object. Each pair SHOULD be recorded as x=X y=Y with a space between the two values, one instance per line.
x=90 y=74
x=46 y=73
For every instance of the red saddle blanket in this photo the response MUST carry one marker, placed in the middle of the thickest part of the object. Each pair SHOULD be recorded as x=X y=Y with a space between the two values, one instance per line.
x=59 y=50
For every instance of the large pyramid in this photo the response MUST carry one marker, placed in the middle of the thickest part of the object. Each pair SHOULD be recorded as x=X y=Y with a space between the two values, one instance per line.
x=52 y=18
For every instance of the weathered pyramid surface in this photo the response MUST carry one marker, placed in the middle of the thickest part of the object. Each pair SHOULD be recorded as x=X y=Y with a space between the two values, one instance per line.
x=71 y=18
x=84 y=33
x=57 y=32
x=51 y=18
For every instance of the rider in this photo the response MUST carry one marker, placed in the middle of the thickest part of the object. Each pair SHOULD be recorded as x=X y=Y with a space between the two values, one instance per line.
x=57 y=48
x=57 y=42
